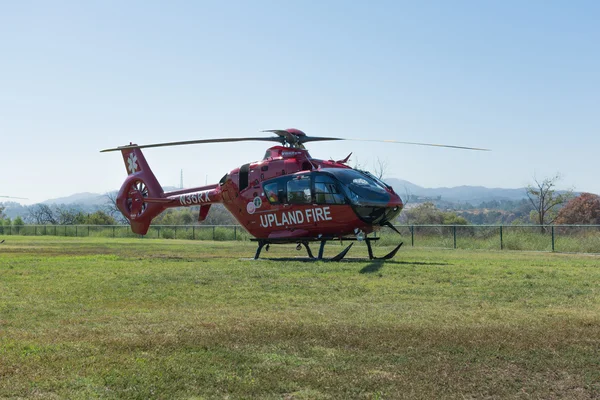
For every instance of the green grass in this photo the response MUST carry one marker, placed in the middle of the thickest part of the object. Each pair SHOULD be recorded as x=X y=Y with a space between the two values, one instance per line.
x=137 y=318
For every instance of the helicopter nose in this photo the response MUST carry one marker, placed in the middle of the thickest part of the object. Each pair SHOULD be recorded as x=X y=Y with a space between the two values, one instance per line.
x=392 y=210
x=396 y=203
x=390 y=214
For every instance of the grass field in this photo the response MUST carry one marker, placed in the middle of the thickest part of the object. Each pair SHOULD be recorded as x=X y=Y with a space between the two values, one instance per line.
x=131 y=318
x=560 y=238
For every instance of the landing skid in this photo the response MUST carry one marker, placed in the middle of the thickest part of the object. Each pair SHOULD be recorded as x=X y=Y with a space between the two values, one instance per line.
x=304 y=242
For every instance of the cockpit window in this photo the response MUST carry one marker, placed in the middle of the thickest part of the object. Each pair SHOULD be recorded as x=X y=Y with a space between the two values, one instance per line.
x=326 y=190
x=271 y=192
x=360 y=188
x=376 y=179
x=298 y=190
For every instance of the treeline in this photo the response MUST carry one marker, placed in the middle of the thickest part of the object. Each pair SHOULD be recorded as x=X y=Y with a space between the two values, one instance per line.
x=583 y=209
x=44 y=214
x=498 y=212
x=218 y=215
x=428 y=214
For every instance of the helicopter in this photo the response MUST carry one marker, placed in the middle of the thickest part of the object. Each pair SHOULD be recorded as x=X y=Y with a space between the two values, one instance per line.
x=287 y=197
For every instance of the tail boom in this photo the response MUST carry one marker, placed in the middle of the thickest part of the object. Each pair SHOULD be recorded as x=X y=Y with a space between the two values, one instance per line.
x=141 y=198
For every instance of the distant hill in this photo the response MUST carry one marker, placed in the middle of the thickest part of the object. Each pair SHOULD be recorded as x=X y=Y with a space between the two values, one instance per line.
x=84 y=199
x=464 y=194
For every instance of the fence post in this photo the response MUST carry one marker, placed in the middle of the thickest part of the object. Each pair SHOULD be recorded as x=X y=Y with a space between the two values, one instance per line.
x=501 y=242
x=454 y=234
x=76 y=235
x=35 y=231
x=193 y=233
x=552 y=238
x=88 y=231
x=158 y=232
x=213 y=232
x=412 y=236
x=235 y=232
x=113 y=231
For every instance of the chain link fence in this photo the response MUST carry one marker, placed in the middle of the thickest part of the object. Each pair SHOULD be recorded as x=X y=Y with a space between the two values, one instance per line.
x=561 y=238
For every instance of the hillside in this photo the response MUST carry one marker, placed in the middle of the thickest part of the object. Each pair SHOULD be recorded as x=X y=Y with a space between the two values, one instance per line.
x=459 y=194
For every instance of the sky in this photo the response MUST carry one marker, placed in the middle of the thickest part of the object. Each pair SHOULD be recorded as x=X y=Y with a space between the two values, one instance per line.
x=520 y=78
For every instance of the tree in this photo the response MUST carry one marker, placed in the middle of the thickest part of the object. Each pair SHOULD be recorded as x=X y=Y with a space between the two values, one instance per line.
x=2 y=216
x=450 y=218
x=69 y=215
x=423 y=214
x=380 y=168
x=98 y=218
x=546 y=200
x=357 y=163
x=583 y=209
x=110 y=208
x=41 y=214
x=407 y=196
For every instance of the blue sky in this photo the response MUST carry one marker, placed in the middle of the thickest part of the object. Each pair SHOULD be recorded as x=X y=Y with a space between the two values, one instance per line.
x=521 y=78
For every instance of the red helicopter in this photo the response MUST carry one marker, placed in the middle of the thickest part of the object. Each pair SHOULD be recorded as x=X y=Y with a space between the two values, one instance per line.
x=287 y=197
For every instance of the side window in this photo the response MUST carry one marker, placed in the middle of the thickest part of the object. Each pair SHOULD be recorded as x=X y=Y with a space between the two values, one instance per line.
x=326 y=191
x=271 y=192
x=298 y=190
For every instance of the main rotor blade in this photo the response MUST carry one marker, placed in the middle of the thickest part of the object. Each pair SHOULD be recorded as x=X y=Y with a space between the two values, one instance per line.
x=201 y=141
x=306 y=139
x=421 y=144
x=10 y=197
x=317 y=139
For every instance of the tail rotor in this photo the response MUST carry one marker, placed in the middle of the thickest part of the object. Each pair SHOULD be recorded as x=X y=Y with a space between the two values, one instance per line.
x=139 y=186
x=135 y=201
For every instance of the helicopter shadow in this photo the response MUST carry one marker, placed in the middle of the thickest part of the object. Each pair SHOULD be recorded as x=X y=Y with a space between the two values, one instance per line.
x=373 y=266
x=376 y=265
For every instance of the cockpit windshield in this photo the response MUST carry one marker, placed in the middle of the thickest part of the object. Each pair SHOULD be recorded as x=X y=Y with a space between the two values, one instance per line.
x=360 y=188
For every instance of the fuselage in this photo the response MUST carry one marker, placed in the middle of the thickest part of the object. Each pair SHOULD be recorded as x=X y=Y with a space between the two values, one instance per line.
x=288 y=194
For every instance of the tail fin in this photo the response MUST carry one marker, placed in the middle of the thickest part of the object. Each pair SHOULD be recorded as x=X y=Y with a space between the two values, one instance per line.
x=140 y=184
